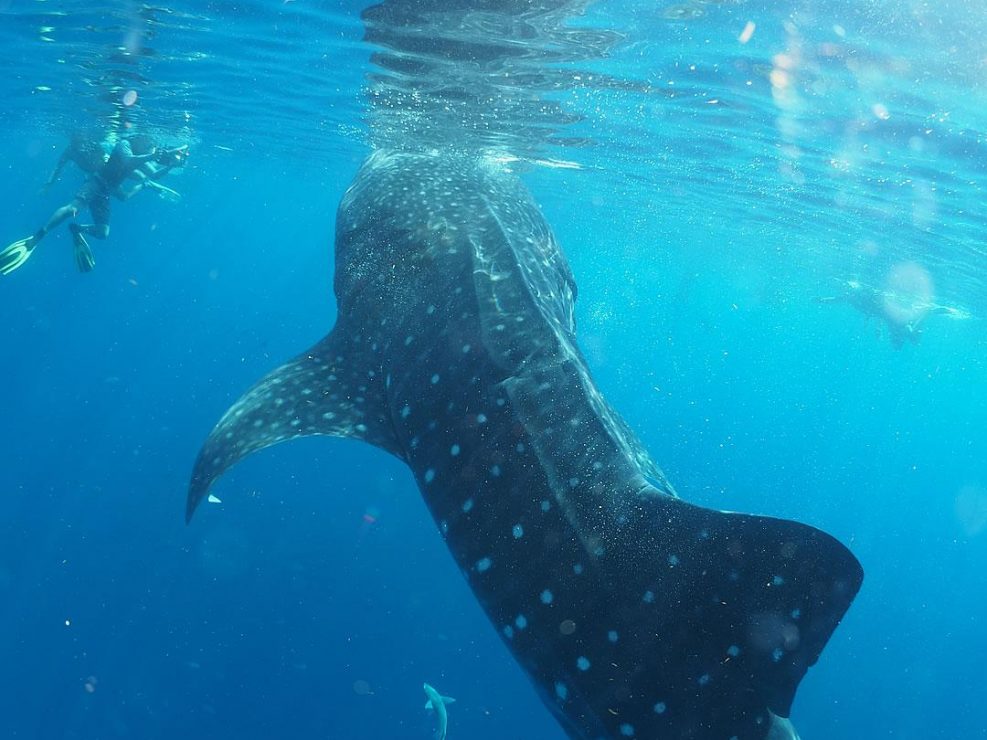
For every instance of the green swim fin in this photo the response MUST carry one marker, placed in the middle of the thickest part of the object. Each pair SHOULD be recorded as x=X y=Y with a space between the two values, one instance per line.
x=84 y=257
x=16 y=254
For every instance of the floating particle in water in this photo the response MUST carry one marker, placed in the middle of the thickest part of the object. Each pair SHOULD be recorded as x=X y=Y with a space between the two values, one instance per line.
x=747 y=33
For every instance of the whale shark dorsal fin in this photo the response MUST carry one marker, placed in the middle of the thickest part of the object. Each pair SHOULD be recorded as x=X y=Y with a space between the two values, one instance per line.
x=335 y=389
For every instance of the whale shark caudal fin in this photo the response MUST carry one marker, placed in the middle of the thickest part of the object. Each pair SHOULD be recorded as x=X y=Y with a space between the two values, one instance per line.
x=334 y=389
x=733 y=610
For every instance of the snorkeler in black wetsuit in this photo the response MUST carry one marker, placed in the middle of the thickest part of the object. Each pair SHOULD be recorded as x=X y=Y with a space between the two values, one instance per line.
x=107 y=175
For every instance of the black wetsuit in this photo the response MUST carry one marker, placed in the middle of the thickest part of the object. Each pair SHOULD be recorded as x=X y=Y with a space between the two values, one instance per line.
x=106 y=180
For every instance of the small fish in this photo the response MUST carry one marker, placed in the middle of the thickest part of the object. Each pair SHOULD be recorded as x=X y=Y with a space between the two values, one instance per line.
x=437 y=703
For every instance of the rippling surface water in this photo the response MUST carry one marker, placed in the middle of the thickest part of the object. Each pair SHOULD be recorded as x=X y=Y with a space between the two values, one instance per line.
x=828 y=125
x=711 y=169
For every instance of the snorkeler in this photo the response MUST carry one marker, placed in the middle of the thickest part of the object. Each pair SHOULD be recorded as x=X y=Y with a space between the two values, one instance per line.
x=106 y=178
x=901 y=313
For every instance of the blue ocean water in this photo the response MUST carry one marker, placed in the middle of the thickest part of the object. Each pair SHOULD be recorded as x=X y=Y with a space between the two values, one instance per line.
x=707 y=189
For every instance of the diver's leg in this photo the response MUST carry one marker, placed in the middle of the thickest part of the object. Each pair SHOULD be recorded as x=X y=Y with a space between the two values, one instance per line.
x=99 y=206
x=99 y=231
x=59 y=216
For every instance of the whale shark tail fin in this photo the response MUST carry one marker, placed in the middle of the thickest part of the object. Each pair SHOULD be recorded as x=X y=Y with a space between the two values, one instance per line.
x=334 y=389
x=799 y=582
x=737 y=608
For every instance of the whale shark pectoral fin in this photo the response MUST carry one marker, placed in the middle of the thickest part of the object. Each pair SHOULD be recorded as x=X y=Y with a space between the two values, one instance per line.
x=334 y=389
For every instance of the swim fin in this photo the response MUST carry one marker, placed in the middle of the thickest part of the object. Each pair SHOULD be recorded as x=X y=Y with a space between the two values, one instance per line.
x=16 y=254
x=84 y=257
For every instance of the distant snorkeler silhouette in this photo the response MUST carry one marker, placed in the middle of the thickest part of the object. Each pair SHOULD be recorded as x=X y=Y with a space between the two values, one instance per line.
x=107 y=169
x=901 y=312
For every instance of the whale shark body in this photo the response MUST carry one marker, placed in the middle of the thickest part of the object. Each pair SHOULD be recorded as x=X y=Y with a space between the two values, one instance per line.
x=635 y=613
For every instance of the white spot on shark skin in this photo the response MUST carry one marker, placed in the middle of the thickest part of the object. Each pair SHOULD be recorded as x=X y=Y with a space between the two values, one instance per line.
x=582 y=663
x=258 y=423
x=466 y=348
x=660 y=707
x=429 y=475
x=546 y=597
x=673 y=560
x=561 y=690
x=430 y=310
x=777 y=654
x=509 y=632
x=545 y=506
x=704 y=679
x=467 y=505
x=495 y=471
x=518 y=531
x=483 y=565
x=577 y=569
x=612 y=636
x=406 y=411
x=213 y=499
x=481 y=418
x=435 y=379
x=627 y=729
x=733 y=651
x=520 y=447
x=649 y=597
x=521 y=621
x=454 y=450
x=408 y=340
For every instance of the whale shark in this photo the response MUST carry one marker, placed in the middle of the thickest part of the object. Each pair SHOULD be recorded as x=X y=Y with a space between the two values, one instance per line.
x=634 y=613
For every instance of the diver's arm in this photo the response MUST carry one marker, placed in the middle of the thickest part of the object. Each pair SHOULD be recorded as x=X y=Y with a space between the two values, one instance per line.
x=126 y=194
x=62 y=161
